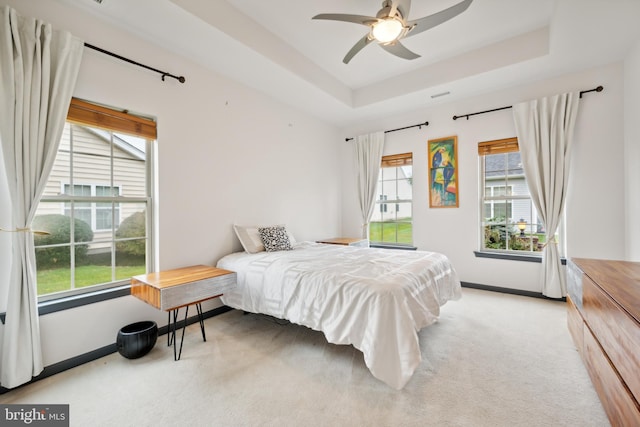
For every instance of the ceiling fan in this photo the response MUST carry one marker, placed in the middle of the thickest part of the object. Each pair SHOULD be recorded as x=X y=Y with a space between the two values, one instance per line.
x=391 y=24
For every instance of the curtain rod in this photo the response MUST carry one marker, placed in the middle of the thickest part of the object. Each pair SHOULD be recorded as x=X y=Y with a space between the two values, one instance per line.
x=598 y=89
x=419 y=125
x=181 y=79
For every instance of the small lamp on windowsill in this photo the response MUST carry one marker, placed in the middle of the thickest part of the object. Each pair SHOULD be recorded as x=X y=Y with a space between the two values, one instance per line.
x=522 y=225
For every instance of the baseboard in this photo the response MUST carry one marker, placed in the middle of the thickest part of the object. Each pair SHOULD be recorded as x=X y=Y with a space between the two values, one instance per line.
x=509 y=291
x=81 y=359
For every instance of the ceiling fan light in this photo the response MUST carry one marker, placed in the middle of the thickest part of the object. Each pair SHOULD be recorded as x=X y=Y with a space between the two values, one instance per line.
x=387 y=30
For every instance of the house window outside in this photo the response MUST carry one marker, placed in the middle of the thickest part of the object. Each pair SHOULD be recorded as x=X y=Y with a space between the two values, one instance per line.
x=383 y=206
x=98 y=215
x=510 y=222
x=493 y=209
x=391 y=222
x=97 y=206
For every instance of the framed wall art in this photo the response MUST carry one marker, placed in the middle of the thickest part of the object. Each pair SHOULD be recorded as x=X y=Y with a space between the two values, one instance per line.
x=443 y=172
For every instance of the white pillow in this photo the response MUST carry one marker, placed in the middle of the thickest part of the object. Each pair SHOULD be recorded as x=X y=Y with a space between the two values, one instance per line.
x=250 y=237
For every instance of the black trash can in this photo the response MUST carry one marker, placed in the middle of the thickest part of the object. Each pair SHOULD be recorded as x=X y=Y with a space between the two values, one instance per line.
x=137 y=339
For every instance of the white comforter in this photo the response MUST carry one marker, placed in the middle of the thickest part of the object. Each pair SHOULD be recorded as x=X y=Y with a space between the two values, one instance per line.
x=375 y=299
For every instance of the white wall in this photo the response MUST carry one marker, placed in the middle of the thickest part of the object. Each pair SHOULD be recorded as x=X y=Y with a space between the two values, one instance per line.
x=596 y=201
x=632 y=151
x=226 y=154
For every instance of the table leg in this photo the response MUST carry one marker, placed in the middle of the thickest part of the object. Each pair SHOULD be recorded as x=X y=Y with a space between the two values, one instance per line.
x=171 y=334
x=201 y=320
x=169 y=337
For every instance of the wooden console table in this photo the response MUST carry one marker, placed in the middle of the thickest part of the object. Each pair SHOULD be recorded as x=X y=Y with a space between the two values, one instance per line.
x=171 y=290
x=604 y=321
x=346 y=241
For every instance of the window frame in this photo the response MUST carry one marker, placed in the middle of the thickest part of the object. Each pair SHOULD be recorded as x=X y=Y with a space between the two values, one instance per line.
x=505 y=146
x=91 y=115
x=383 y=202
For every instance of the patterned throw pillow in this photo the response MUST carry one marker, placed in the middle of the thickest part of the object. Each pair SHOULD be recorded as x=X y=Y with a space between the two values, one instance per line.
x=275 y=238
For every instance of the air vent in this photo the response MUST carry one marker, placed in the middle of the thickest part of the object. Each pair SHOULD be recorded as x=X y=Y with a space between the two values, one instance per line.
x=438 y=95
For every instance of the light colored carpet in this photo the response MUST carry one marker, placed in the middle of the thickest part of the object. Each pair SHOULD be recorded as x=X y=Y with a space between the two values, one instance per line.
x=491 y=360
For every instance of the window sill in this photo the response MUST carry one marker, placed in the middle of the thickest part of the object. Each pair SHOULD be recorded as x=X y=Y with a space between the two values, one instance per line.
x=392 y=246
x=512 y=257
x=66 y=303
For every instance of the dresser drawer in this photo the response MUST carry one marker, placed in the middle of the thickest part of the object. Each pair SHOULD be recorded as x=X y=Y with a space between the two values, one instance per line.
x=576 y=326
x=620 y=407
x=616 y=331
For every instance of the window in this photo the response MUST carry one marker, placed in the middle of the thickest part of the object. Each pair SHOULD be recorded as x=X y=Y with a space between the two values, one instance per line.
x=98 y=215
x=510 y=220
x=493 y=209
x=391 y=221
x=96 y=204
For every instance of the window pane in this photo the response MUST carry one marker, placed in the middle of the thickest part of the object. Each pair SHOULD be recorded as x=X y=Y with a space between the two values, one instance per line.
x=405 y=233
x=389 y=232
x=133 y=224
x=131 y=241
x=95 y=267
x=92 y=163
x=91 y=156
x=495 y=234
x=405 y=189
x=494 y=164
x=403 y=211
x=54 y=269
x=106 y=191
x=103 y=216
x=55 y=253
x=375 y=231
x=510 y=220
x=130 y=258
x=390 y=189
x=501 y=210
x=394 y=184
x=514 y=164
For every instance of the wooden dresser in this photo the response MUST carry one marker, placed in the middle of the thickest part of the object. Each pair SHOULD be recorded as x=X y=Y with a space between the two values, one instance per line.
x=604 y=321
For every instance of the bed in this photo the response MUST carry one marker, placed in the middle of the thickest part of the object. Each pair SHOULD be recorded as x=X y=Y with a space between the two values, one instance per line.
x=374 y=299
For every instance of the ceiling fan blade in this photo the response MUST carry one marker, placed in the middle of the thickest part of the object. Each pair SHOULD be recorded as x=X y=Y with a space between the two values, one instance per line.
x=399 y=50
x=356 y=48
x=356 y=19
x=423 y=24
x=403 y=6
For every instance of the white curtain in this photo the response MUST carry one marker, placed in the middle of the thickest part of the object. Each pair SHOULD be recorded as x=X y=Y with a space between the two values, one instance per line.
x=368 y=155
x=39 y=70
x=545 y=132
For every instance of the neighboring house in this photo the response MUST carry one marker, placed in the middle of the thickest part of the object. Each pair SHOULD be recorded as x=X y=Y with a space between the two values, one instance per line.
x=92 y=177
x=511 y=185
